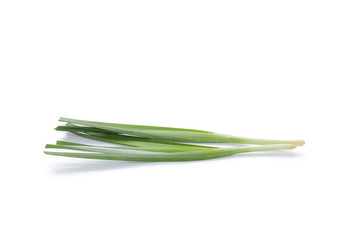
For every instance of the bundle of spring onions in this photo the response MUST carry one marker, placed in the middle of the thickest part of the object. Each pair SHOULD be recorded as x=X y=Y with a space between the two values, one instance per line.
x=155 y=144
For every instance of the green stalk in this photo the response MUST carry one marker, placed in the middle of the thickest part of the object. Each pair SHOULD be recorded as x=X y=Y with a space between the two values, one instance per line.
x=88 y=148
x=173 y=157
x=131 y=140
x=177 y=134
x=146 y=147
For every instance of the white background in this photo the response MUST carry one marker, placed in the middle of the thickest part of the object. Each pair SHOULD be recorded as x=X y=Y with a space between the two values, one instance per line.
x=269 y=69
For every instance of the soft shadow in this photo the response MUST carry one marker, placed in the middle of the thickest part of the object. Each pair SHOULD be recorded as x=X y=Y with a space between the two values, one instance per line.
x=106 y=165
x=274 y=154
x=68 y=168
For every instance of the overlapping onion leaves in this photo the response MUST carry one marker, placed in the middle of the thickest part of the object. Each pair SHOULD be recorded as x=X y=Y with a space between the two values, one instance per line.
x=155 y=144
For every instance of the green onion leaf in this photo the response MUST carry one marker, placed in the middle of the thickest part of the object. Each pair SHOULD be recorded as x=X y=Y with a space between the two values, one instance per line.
x=169 y=157
x=176 y=134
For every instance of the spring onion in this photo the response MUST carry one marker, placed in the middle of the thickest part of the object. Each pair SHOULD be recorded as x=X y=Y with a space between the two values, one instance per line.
x=155 y=144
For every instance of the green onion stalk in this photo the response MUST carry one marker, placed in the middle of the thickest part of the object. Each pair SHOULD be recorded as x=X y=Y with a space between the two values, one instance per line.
x=155 y=144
